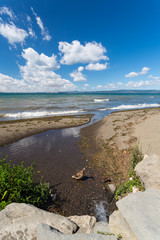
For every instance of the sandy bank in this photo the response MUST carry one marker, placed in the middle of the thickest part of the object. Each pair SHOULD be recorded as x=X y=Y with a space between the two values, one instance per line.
x=108 y=143
x=11 y=131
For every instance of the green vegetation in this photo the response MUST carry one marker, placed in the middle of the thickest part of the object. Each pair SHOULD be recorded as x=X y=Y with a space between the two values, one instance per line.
x=17 y=185
x=133 y=180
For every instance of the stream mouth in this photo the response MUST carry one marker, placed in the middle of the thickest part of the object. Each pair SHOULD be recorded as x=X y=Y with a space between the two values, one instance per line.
x=58 y=157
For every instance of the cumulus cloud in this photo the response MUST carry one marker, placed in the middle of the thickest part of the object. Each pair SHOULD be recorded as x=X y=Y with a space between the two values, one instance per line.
x=134 y=74
x=7 y=11
x=140 y=84
x=44 y=30
x=37 y=75
x=96 y=66
x=9 y=84
x=77 y=75
x=12 y=33
x=75 y=52
x=153 y=77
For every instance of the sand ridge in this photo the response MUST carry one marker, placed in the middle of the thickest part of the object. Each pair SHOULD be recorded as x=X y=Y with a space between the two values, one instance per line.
x=11 y=131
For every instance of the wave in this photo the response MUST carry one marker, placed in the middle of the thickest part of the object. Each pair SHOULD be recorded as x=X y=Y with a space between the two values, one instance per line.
x=144 y=105
x=40 y=114
x=101 y=100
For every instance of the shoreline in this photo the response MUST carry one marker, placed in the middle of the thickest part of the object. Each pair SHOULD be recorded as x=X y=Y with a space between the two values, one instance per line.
x=14 y=130
x=108 y=143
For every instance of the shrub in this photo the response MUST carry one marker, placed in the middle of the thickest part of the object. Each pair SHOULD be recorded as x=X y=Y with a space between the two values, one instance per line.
x=17 y=185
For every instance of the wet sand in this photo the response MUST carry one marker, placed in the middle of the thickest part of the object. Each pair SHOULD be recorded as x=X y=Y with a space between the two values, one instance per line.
x=108 y=143
x=105 y=149
x=14 y=130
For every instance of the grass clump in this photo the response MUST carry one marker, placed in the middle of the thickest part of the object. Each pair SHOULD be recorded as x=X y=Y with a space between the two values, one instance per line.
x=133 y=180
x=17 y=185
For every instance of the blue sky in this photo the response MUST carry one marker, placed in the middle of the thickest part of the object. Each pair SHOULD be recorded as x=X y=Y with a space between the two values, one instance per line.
x=65 y=45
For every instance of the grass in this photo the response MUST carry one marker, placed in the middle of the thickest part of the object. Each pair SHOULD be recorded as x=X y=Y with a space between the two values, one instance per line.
x=17 y=185
x=133 y=180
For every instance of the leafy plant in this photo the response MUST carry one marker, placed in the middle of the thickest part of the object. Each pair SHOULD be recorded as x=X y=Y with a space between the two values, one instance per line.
x=137 y=156
x=17 y=185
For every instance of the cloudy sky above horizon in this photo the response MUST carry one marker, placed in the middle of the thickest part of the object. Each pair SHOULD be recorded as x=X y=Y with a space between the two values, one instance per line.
x=50 y=46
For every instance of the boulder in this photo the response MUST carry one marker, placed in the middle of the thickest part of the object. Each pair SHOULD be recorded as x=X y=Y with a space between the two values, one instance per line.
x=148 y=171
x=141 y=211
x=19 y=221
x=118 y=225
x=85 y=223
x=45 y=232
x=101 y=227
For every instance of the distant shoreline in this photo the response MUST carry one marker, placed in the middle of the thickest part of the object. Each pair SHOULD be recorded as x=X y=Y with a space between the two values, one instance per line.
x=14 y=130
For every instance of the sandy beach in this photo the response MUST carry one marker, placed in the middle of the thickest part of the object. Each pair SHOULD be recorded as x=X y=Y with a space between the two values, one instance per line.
x=106 y=148
x=108 y=143
x=12 y=131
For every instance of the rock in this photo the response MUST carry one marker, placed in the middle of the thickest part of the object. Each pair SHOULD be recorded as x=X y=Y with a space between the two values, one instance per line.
x=141 y=211
x=118 y=225
x=135 y=189
x=149 y=171
x=101 y=227
x=85 y=223
x=19 y=221
x=45 y=232
x=112 y=188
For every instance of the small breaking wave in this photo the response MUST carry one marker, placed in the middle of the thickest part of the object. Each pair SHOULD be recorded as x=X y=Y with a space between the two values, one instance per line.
x=101 y=100
x=40 y=114
x=145 y=105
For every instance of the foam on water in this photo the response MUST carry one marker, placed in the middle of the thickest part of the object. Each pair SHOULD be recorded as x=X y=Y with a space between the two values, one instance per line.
x=101 y=211
x=40 y=114
x=144 y=105
x=101 y=100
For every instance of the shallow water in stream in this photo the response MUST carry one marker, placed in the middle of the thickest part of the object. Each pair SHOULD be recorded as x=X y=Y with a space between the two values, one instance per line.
x=58 y=157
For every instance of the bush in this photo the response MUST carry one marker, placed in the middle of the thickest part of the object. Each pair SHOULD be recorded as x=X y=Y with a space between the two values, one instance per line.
x=17 y=185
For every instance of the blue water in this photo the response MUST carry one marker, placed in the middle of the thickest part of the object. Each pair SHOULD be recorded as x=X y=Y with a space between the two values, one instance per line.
x=23 y=105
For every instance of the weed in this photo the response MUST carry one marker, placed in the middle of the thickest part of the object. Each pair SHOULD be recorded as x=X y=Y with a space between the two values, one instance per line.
x=137 y=156
x=17 y=185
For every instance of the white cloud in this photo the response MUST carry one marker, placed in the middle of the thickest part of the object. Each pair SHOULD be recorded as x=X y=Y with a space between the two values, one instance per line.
x=96 y=66
x=86 y=85
x=134 y=74
x=7 y=11
x=76 y=53
x=77 y=75
x=9 y=84
x=37 y=75
x=140 y=84
x=12 y=33
x=44 y=31
x=153 y=77
x=80 y=69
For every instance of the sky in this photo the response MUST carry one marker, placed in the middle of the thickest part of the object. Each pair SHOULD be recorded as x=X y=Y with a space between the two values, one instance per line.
x=79 y=45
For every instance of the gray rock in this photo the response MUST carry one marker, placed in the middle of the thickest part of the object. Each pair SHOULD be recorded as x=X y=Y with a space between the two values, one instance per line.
x=149 y=171
x=118 y=225
x=101 y=227
x=112 y=188
x=85 y=223
x=19 y=221
x=141 y=211
x=45 y=232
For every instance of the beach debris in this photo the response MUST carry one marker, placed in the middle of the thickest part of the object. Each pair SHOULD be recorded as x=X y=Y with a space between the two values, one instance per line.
x=79 y=175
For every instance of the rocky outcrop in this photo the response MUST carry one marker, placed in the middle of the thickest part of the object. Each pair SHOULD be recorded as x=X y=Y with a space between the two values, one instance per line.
x=85 y=223
x=19 y=221
x=148 y=171
x=138 y=215
x=45 y=232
